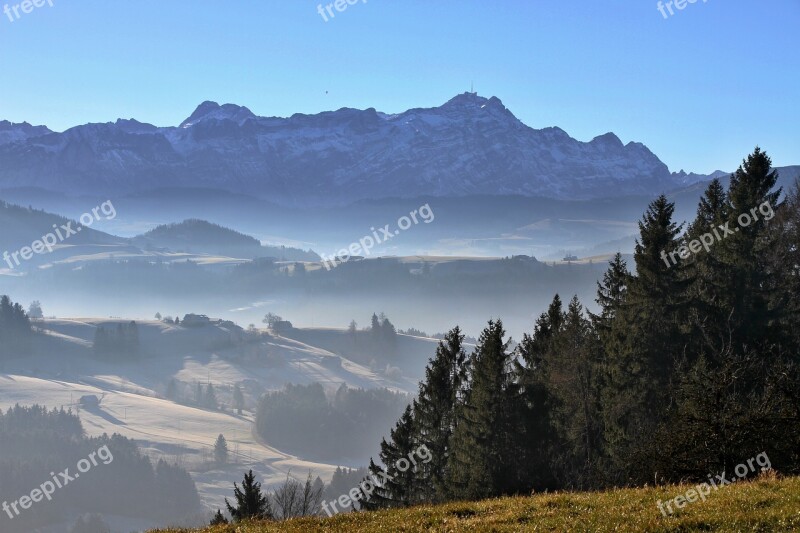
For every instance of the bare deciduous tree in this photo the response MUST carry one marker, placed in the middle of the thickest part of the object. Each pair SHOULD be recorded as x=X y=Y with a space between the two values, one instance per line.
x=293 y=499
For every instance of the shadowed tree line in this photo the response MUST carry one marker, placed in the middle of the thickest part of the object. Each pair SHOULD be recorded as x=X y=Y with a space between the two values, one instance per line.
x=35 y=442
x=688 y=368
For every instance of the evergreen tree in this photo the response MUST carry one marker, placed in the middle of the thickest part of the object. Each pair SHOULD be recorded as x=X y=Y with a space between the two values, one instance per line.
x=611 y=292
x=218 y=519
x=534 y=407
x=250 y=502
x=572 y=373
x=396 y=481
x=199 y=396
x=484 y=452
x=435 y=411
x=785 y=264
x=15 y=329
x=238 y=399
x=750 y=294
x=221 y=450
x=639 y=375
x=707 y=270
x=210 y=398
x=712 y=210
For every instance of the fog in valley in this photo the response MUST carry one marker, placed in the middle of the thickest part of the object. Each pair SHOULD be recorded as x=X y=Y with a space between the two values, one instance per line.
x=285 y=261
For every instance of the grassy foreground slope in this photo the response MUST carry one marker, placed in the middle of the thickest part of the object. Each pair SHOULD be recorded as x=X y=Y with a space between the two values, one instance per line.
x=762 y=505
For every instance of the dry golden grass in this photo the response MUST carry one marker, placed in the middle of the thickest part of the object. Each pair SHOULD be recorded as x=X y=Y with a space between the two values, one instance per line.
x=766 y=504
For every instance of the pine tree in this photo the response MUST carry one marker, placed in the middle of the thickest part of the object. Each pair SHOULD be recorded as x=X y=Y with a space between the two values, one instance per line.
x=199 y=396
x=534 y=407
x=572 y=373
x=785 y=264
x=750 y=294
x=611 y=292
x=238 y=399
x=435 y=410
x=708 y=272
x=711 y=211
x=221 y=450
x=210 y=398
x=484 y=453
x=639 y=376
x=250 y=502
x=396 y=481
x=218 y=519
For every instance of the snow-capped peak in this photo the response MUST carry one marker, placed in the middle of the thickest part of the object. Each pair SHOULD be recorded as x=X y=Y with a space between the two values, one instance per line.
x=212 y=110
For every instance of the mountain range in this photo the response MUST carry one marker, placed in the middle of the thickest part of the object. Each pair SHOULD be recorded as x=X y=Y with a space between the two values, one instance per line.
x=471 y=145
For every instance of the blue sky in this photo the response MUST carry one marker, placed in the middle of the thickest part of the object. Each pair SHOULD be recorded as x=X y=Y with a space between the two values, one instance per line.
x=700 y=88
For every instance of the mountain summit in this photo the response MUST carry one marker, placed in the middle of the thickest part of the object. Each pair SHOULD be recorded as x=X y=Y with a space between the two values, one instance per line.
x=469 y=145
x=214 y=111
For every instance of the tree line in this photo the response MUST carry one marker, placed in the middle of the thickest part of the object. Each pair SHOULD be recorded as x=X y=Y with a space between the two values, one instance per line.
x=120 y=341
x=35 y=441
x=687 y=368
x=302 y=418
x=15 y=329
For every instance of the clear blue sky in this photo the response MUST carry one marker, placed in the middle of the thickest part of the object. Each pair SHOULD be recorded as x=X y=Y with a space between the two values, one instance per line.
x=701 y=88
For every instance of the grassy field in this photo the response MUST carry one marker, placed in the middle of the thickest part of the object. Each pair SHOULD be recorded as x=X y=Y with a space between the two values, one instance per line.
x=766 y=504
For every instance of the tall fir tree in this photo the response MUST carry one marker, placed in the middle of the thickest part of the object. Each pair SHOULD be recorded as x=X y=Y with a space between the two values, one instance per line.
x=485 y=455
x=396 y=482
x=655 y=335
x=534 y=407
x=708 y=314
x=573 y=381
x=750 y=295
x=435 y=411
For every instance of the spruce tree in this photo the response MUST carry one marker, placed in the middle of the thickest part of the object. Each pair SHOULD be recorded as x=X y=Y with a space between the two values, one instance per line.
x=210 y=398
x=218 y=519
x=485 y=452
x=238 y=399
x=653 y=327
x=785 y=264
x=435 y=410
x=709 y=313
x=751 y=296
x=534 y=405
x=221 y=450
x=611 y=292
x=572 y=370
x=250 y=502
x=395 y=483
